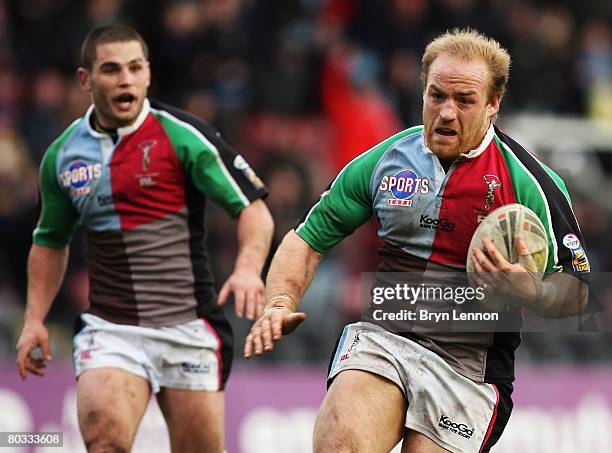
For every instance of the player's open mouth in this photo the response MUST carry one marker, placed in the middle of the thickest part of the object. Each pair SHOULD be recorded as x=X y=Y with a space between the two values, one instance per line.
x=124 y=101
x=445 y=132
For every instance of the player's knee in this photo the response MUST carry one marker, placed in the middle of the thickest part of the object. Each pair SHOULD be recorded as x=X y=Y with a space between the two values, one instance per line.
x=332 y=433
x=102 y=434
x=328 y=441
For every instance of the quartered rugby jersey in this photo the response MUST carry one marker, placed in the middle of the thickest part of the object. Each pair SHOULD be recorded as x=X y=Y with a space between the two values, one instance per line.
x=141 y=202
x=427 y=218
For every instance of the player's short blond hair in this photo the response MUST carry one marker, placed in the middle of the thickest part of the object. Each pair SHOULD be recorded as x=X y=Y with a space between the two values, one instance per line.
x=467 y=45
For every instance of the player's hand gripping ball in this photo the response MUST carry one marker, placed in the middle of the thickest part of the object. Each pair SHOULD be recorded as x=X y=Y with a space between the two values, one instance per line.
x=502 y=227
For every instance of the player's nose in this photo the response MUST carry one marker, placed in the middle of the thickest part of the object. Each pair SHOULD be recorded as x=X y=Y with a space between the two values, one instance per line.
x=448 y=110
x=126 y=77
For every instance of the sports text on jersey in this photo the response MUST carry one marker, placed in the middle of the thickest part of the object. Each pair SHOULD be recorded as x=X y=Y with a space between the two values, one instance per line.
x=78 y=175
x=403 y=185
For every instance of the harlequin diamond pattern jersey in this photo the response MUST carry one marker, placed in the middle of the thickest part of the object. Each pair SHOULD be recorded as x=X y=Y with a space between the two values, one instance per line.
x=427 y=218
x=141 y=202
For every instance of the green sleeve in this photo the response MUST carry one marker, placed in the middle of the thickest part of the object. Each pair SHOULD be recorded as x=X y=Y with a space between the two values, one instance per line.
x=215 y=169
x=58 y=217
x=344 y=206
x=348 y=201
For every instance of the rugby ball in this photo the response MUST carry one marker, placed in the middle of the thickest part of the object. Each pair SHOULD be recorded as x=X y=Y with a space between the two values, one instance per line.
x=502 y=226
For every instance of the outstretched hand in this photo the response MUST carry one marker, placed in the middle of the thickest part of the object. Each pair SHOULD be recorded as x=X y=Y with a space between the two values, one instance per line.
x=269 y=328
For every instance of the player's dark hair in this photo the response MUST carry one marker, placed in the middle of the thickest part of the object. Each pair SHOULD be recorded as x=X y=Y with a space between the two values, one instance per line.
x=108 y=34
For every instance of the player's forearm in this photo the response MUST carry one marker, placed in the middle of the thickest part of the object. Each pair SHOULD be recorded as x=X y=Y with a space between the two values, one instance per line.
x=291 y=272
x=46 y=269
x=563 y=296
x=255 y=228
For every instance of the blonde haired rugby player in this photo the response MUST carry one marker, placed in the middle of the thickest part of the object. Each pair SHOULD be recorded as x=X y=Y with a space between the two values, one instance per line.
x=434 y=390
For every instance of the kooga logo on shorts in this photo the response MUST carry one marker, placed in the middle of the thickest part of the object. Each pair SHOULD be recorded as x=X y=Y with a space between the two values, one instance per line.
x=198 y=368
x=457 y=428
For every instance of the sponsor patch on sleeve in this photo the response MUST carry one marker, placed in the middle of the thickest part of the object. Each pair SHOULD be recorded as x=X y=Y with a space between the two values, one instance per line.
x=580 y=262
x=241 y=164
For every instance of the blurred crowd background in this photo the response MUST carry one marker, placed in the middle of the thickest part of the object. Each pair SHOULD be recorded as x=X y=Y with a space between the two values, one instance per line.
x=299 y=87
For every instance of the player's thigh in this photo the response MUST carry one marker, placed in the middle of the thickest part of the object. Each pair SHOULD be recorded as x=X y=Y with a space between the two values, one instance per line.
x=416 y=442
x=110 y=405
x=362 y=412
x=195 y=419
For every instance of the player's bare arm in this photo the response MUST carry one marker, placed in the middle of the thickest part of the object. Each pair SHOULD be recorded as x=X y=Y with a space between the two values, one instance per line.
x=255 y=228
x=556 y=295
x=46 y=268
x=291 y=272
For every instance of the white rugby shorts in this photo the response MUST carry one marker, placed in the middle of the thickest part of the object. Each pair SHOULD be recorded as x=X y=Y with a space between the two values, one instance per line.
x=184 y=356
x=457 y=413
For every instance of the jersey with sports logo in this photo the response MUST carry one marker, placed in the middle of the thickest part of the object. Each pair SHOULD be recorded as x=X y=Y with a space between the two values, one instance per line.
x=141 y=202
x=427 y=218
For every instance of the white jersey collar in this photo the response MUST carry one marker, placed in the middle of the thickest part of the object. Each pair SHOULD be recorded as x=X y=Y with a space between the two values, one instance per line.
x=146 y=108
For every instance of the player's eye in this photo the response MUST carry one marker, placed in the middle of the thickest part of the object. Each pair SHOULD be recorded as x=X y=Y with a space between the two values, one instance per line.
x=109 y=69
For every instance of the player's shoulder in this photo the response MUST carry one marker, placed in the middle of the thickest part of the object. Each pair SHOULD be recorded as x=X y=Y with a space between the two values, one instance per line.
x=400 y=140
x=518 y=152
x=65 y=138
x=537 y=173
x=411 y=135
x=178 y=119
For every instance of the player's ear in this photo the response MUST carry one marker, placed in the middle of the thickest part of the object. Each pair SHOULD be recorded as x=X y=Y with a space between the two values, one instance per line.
x=493 y=105
x=148 y=68
x=84 y=78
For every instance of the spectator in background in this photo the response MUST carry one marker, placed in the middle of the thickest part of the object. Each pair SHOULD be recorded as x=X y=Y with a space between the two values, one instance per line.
x=17 y=208
x=45 y=116
x=405 y=86
x=290 y=191
x=594 y=66
x=10 y=96
x=351 y=98
x=6 y=37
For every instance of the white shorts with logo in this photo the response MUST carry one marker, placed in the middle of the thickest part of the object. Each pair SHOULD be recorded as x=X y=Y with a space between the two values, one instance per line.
x=185 y=356
x=455 y=412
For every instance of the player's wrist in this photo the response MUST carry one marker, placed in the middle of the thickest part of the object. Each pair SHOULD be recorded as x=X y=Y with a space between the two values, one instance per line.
x=545 y=297
x=250 y=259
x=247 y=268
x=549 y=294
x=33 y=317
x=278 y=301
